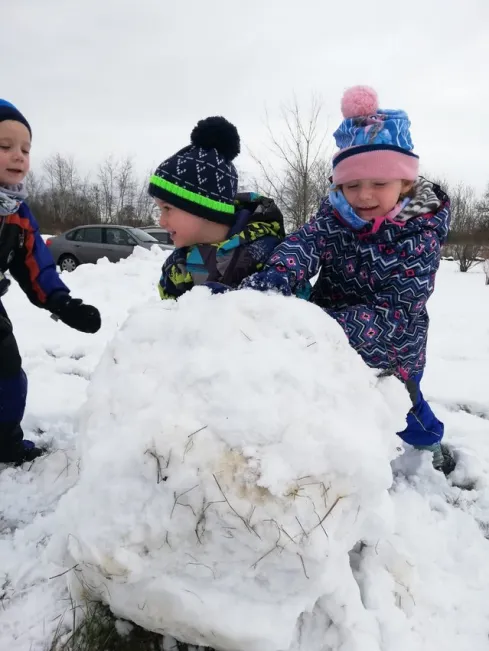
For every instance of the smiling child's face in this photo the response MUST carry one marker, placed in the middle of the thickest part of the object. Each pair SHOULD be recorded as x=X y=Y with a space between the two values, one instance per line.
x=15 y=146
x=374 y=198
x=187 y=229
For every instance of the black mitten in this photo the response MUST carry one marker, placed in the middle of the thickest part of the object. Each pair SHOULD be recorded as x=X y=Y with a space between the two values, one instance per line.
x=76 y=314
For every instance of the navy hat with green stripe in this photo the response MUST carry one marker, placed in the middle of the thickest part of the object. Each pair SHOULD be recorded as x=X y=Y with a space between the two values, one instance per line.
x=200 y=178
x=9 y=112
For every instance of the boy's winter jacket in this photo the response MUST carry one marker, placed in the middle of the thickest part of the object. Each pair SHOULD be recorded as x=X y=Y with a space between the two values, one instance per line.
x=259 y=229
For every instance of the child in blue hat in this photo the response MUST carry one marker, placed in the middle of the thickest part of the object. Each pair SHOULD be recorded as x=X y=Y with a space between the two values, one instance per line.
x=24 y=254
x=376 y=244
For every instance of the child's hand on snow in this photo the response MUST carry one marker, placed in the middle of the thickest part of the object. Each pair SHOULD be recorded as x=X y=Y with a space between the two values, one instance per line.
x=265 y=281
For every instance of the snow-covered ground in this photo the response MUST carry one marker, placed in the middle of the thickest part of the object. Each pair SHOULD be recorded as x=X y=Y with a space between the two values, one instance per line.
x=422 y=584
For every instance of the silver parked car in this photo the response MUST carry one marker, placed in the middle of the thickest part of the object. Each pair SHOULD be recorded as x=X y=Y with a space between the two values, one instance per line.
x=160 y=234
x=90 y=243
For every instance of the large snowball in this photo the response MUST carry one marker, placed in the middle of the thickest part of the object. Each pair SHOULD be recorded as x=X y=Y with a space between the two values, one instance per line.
x=234 y=449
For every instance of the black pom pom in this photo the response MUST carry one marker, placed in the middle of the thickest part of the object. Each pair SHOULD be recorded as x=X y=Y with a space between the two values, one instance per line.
x=217 y=133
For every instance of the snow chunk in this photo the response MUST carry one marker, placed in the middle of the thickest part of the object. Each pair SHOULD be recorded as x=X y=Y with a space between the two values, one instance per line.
x=234 y=450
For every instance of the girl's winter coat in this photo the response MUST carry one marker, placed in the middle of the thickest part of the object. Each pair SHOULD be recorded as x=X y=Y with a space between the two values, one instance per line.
x=374 y=282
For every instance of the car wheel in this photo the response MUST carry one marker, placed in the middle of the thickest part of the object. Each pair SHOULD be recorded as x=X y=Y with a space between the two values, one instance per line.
x=68 y=263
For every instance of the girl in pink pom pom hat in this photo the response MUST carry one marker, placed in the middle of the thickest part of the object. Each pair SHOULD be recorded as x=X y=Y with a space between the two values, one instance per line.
x=375 y=243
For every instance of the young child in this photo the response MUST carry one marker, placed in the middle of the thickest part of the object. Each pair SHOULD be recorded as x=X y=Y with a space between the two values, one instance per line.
x=24 y=254
x=376 y=245
x=220 y=237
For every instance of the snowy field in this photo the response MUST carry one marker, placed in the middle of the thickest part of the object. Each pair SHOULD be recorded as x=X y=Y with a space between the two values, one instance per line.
x=420 y=581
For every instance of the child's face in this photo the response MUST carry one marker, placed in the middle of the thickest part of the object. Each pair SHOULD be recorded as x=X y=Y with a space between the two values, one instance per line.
x=15 y=146
x=374 y=198
x=187 y=229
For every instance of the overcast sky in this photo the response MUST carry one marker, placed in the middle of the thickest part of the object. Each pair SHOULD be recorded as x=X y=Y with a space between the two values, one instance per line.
x=132 y=77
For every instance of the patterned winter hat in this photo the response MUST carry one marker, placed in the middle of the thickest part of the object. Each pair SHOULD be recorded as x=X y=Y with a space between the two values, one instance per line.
x=9 y=112
x=201 y=178
x=374 y=143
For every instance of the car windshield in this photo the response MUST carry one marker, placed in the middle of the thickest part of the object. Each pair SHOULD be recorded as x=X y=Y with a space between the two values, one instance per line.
x=142 y=236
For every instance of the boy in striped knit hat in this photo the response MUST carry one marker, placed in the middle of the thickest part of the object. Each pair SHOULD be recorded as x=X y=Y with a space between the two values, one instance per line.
x=221 y=237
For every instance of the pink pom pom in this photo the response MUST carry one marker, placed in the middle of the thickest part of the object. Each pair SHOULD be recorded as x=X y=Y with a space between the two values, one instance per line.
x=359 y=101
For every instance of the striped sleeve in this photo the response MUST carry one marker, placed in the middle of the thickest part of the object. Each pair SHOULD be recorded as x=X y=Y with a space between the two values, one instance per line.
x=33 y=266
x=173 y=281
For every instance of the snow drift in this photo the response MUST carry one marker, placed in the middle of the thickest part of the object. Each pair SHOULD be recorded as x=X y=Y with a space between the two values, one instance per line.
x=234 y=450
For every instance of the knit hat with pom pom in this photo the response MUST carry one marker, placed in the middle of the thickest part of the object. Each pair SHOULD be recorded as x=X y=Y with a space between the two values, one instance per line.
x=374 y=143
x=200 y=178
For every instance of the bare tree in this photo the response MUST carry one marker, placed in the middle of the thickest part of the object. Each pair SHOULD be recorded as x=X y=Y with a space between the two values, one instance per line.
x=122 y=199
x=321 y=181
x=465 y=237
x=297 y=175
x=33 y=185
x=61 y=180
x=107 y=173
x=145 y=207
x=125 y=187
x=483 y=211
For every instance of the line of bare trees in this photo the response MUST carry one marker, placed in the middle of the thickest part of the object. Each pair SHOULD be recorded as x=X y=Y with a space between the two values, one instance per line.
x=61 y=198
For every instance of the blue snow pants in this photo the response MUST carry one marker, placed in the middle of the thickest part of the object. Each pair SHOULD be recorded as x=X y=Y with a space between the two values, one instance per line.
x=13 y=389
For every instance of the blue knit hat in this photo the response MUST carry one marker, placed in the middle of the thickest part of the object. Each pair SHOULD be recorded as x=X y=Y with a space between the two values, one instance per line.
x=200 y=178
x=9 y=112
x=373 y=142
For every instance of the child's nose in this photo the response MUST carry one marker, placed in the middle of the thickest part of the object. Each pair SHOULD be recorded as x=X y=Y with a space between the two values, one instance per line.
x=163 y=219
x=365 y=193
